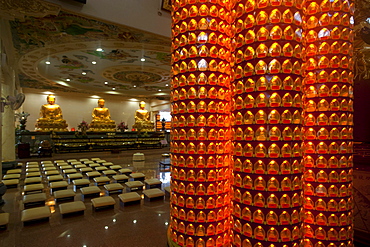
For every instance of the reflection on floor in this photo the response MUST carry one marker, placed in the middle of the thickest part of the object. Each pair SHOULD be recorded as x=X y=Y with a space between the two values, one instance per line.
x=139 y=225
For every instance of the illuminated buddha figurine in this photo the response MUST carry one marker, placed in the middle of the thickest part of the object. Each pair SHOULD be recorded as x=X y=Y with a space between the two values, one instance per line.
x=101 y=121
x=142 y=122
x=51 y=118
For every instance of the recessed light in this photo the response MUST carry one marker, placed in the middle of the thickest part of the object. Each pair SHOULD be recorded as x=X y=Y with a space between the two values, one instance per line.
x=142 y=60
x=166 y=223
x=99 y=49
x=106 y=227
x=106 y=83
x=47 y=62
x=134 y=221
x=114 y=220
x=166 y=85
x=93 y=62
x=134 y=85
x=113 y=88
x=159 y=90
x=84 y=73
x=68 y=79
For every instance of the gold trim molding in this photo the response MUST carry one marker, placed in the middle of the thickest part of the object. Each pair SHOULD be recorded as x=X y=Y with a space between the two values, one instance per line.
x=18 y=9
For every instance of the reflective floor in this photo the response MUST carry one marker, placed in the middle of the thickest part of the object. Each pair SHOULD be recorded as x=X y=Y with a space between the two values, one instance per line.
x=136 y=225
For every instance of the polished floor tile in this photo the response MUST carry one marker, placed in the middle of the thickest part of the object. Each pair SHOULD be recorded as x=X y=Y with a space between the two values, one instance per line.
x=139 y=225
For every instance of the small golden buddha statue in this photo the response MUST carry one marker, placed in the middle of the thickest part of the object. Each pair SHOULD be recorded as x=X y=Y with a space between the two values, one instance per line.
x=142 y=122
x=51 y=118
x=101 y=119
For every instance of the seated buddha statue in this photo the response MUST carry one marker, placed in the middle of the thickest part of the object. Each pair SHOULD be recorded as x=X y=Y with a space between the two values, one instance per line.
x=101 y=119
x=142 y=122
x=51 y=118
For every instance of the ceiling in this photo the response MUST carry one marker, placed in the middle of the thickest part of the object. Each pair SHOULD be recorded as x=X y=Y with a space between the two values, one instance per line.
x=58 y=52
x=72 y=53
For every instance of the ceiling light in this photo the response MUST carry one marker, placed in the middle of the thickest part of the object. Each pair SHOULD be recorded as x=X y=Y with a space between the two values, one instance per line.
x=93 y=62
x=99 y=49
x=159 y=90
x=47 y=62
x=106 y=83
x=68 y=79
x=84 y=73
x=142 y=60
x=113 y=88
x=95 y=97
x=134 y=221
x=134 y=85
x=114 y=220
x=106 y=227
x=166 y=85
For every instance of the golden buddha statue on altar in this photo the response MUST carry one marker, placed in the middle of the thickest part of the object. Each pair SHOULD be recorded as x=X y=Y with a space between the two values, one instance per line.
x=51 y=118
x=101 y=121
x=142 y=122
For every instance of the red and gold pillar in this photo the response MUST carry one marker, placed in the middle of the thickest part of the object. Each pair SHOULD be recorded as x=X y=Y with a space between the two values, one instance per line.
x=328 y=146
x=267 y=118
x=201 y=132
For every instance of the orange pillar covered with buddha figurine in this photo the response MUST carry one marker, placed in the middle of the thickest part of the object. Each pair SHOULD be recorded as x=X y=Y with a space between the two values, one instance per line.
x=200 y=135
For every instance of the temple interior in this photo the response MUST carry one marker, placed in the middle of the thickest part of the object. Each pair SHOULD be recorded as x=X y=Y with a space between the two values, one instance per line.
x=108 y=110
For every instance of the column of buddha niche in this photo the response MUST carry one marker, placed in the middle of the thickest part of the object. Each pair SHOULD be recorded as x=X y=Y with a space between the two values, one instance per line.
x=51 y=118
x=200 y=136
x=142 y=119
x=328 y=124
x=267 y=115
x=101 y=121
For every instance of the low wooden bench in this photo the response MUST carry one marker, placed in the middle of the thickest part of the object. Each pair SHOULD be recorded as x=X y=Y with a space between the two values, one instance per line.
x=134 y=185
x=50 y=173
x=32 y=188
x=125 y=171
x=71 y=160
x=61 y=195
x=88 y=162
x=138 y=176
x=153 y=194
x=131 y=197
x=79 y=183
x=33 y=180
x=46 y=162
x=33 y=214
x=85 y=169
x=65 y=167
x=32 y=166
x=109 y=172
x=95 y=159
x=32 y=170
x=103 y=202
x=93 y=165
x=32 y=163
x=120 y=178
x=59 y=161
x=90 y=191
x=4 y=220
x=153 y=183
x=115 y=187
x=62 y=164
x=80 y=166
x=11 y=176
x=33 y=174
x=100 y=168
x=83 y=160
x=100 y=161
x=92 y=175
x=72 y=208
x=74 y=176
x=55 y=178
x=11 y=183
x=14 y=171
x=59 y=185
x=49 y=168
x=107 y=164
x=115 y=167
x=69 y=171
x=34 y=199
x=101 y=180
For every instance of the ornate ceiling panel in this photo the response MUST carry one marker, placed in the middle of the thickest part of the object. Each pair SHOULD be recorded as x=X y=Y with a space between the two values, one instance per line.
x=60 y=52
